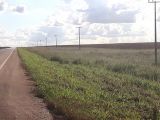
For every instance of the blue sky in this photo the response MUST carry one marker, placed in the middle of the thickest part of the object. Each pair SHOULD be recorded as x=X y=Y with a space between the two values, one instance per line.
x=102 y=21
x=36 y=12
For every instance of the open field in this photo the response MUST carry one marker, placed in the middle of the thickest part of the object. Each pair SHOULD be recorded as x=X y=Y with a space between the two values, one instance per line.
x=96 y=83
x=138 y=63
x=147 y=45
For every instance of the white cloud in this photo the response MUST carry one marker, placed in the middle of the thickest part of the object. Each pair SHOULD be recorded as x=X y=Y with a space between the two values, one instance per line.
x=18 y=9
x=102 y=21
x=6 y=38
x=100 y=12
x=3 y=5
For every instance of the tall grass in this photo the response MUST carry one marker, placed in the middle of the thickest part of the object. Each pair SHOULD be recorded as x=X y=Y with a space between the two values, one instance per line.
x=138 y=63
x=83 y=90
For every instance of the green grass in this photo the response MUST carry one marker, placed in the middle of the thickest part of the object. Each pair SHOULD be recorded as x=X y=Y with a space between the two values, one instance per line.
x=138 y=63
x=92 y=85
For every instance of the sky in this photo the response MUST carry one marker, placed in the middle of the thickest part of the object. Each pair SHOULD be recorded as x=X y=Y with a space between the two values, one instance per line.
x=32 y=22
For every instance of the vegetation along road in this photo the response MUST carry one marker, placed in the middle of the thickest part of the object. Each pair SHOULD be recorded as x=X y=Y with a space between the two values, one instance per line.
x=86 y=84
x=96 y=83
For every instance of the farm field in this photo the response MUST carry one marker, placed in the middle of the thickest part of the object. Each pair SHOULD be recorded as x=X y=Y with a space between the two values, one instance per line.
x=96 y=83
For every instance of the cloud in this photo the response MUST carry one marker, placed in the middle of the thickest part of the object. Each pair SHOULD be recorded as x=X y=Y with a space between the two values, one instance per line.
x=67 y=1
x=3 y=5
x=19 y=9
x=6 y=38
x=44 y=32
x=99 y=12
x=102 y=21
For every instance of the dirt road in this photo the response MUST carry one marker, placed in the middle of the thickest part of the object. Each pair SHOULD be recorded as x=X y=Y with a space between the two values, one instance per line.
x=17 y=102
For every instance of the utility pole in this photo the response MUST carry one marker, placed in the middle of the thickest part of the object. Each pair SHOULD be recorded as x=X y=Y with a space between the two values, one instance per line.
x=56 y=40
x=79 y=31
x=155 y=14
x=19 y=43
x=46 y=40
x=155 y=6
x=155 y=28
x=37 y=43
x=40 y=43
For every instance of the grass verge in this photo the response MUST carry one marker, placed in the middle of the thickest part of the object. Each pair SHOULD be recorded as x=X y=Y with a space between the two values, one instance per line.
x=89 y=93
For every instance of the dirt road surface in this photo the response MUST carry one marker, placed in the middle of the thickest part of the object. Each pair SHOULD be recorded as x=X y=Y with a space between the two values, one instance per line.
x=4 y=54
x=17 y=102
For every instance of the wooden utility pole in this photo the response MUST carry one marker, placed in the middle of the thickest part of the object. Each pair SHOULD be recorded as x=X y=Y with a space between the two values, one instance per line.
x=56 y=40
x=155 y=13
x=79 y=38
x=155 y=28
x=46 y=41
x=37 y=43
